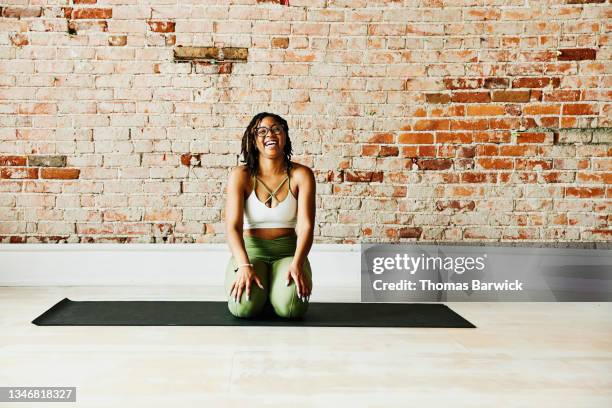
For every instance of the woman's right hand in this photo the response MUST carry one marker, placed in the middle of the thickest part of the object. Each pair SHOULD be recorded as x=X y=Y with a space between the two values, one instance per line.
x=244 y=277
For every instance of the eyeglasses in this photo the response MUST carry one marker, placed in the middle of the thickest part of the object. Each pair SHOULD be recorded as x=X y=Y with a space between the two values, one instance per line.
x=262 y=131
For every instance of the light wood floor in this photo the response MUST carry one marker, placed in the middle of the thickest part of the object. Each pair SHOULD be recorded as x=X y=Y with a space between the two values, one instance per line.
x=521 y=354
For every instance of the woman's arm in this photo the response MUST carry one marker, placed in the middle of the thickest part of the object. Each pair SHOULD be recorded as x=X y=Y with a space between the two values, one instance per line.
x=234 y=207
x=306 y=214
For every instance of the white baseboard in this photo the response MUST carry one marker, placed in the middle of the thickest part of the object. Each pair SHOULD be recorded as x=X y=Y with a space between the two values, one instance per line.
x=152 y=264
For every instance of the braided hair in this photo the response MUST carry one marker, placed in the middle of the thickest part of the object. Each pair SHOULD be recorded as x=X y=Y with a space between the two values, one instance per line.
x=250 y=154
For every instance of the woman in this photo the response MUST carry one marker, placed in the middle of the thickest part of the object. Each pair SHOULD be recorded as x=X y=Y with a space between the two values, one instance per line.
x=272 y=201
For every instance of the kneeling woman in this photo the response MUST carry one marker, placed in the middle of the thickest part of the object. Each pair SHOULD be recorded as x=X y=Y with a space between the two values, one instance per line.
x=269 y=199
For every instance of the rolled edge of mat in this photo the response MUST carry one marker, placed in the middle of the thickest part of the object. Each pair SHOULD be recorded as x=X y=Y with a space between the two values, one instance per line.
x=49 y=311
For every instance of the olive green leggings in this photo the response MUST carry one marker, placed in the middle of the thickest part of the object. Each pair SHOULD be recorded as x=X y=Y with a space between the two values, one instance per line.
x=271 y=259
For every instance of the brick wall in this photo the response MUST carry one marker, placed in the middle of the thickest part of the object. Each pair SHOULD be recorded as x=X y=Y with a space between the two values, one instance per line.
x=422 y=119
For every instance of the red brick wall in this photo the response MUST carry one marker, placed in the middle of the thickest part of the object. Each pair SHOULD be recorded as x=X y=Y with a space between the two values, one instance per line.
x=428 y=120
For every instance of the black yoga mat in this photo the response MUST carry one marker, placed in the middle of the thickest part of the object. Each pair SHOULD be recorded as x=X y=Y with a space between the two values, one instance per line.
x=210 y=313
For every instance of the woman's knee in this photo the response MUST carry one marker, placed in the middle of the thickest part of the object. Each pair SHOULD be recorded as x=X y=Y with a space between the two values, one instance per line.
x=284 y=298
x=246 y=308
x=290 y=308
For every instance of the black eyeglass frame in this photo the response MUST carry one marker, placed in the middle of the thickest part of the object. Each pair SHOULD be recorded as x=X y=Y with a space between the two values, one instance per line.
x=268 y=130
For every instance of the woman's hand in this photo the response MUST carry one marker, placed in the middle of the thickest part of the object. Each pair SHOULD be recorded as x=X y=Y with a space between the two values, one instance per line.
x=244 y=277
x=296 y=273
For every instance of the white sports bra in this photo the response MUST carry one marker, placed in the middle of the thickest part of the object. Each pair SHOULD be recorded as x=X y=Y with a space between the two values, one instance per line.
x=259 y=215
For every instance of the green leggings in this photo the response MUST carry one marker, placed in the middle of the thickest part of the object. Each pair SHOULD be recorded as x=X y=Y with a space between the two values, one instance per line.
x=271 y=259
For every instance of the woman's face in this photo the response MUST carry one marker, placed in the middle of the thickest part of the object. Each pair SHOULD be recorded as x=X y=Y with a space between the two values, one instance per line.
x=270 y=138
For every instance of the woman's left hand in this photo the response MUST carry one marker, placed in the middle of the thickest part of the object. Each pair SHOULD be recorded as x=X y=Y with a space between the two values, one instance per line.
x=296 y=273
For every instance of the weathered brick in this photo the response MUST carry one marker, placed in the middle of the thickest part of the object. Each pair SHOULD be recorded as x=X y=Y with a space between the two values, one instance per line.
x=212 y=53
x=565 y=136
x=190 y=53
x=363 y=176
x=59 y=173
x=577 y=54
x=426 y=151
x=494 y=83
x=66 y=12
x=485 y=110
x=381 y=138
x=431 y=124
x=504 y=123
x=469 y=124
x=19 y=40
x=541 y=109
x=281 y=2
x=189 y=159
x=117 y=40
x=12 y=160
x=454 y=137
x=92 y=13
x=534 y=137
x=533 y=82
x=482 y=233
x=18 y=173
x=280 y=42
x=495 y=164
x=370 y=150
x=437 y=98
x=225 y=67
x=584 y=192
x=562 y=95
x=524 y=150
x=416 y=138
x=471 y=177
x=463 y=83
x=602 y=135
x=21 y=12
x=455 y=205
x=510 y=96
x=161 y=26
x=387 y=151
x=434 y=164
x=162 y=215
x=580 y=109
x=533 y=164
x=466 y=151
x=558 y=177
x=487 y=150
x=47 y=161
x=470 y=97
x=410 y=232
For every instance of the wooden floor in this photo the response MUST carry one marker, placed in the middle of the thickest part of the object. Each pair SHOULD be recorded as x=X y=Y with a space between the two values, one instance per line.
x=521 y=354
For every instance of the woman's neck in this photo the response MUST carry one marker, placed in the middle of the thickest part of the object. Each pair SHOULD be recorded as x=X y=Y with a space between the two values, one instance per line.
x=270 y=167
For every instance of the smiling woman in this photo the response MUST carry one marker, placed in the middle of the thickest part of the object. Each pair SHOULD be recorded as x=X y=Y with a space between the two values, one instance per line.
x=269 y=231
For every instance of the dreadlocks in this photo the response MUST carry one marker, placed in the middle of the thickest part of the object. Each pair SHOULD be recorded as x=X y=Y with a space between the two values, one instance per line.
x=249 y=152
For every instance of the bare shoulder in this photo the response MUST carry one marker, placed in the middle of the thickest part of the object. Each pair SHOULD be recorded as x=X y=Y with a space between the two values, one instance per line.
x=239 y=172
x=239 y=176
x=299 y=170
x=302 y=173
